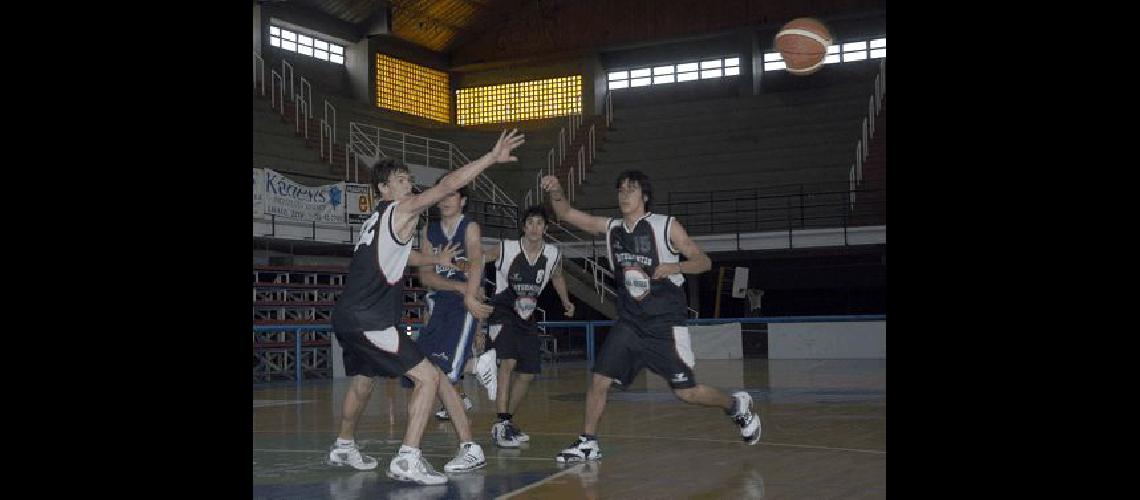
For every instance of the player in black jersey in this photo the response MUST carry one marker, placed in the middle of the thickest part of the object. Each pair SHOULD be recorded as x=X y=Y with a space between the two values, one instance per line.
x=650 y=332
x=371 y=306
x=523 y=267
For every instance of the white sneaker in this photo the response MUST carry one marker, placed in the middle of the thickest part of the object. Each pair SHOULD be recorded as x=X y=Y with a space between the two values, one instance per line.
x=502 y=436
x=581 y=450
x=748 y=420
x=411 y=466
x=486 y=368
x=350 y=455
x=442 y=413
x=470 y=457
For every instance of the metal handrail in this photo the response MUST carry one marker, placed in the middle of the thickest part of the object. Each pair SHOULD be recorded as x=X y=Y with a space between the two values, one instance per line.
x=258 y=70
x=292 y=87
x=306 y=94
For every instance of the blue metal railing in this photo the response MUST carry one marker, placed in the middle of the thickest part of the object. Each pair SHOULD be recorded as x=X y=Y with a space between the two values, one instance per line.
x=589 y=326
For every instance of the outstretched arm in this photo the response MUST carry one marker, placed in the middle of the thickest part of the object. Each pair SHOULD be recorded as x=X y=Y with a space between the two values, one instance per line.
x=564 y=211
x=463 y=176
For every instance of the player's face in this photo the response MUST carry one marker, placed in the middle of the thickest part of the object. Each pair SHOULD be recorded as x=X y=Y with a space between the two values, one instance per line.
x=451 y=205
x=630 y=199
x=399 y=186
x=534 y=228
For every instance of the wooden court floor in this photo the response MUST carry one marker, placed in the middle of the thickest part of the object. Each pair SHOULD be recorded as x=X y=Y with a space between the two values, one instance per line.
x=824 y=436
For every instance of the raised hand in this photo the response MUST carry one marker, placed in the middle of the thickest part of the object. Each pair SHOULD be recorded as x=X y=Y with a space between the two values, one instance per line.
x=550 y=184
x=508 y=141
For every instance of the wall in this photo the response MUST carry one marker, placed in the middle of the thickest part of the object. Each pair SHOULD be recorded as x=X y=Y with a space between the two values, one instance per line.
x=840 y=340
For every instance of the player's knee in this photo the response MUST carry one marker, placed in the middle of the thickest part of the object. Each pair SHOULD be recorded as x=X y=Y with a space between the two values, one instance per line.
x=362 y=385
x=601 y=383
x=424 y=374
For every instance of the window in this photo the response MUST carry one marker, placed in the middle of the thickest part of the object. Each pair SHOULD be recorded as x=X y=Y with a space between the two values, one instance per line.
x=410 y=88
x=530 y=100
x=847 y=52
x=878 y=48
x=305 y=45
x=855 y=51
x=674 y=73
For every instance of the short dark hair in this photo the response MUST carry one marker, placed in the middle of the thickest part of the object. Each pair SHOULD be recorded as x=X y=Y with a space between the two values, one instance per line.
x=642 y=181
x=533 y=211
x=383 y=168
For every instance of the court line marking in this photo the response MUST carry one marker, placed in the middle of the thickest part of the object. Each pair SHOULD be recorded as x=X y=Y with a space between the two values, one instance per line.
x=394 y=450
x=535 y=484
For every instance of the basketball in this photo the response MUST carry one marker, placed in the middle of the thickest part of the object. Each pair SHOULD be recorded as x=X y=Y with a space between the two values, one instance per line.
x=803 y=44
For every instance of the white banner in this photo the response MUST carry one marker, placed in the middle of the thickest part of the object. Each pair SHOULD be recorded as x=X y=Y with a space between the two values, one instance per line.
x=258 y=193
x=358 y=201
x=287 y=199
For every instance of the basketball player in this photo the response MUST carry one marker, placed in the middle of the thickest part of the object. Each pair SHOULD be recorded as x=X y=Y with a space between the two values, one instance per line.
x=366 y=315
x=447 y=337
x=650 y=331
x=523 y=267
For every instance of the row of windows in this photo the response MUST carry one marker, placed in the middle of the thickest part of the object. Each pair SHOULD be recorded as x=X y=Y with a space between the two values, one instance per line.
x=305 y=45
x=730 y=66
x=673 y=73
x=411 y=88
x=848 y=52
x=519 y=101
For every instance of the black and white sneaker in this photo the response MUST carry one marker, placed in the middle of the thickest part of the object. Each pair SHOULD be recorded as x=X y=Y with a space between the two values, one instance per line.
x=748 y=420
x=502 y=436
x=470 y=457
x=579 y=451
x=518 y=434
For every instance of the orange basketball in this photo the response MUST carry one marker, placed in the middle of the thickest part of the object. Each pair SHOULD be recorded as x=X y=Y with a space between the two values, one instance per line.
x=803 y=44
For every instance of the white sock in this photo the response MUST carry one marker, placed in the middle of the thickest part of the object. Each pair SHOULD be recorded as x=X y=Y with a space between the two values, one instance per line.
x=344 y=443
x=405 y=449
x=466 y=444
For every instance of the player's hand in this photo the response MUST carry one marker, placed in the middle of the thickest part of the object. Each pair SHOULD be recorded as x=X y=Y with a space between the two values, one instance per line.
x=664 y=270
x=478 y=308
x=446 y=255
x=507 y=142
x=550 y=184
x=568 y=308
